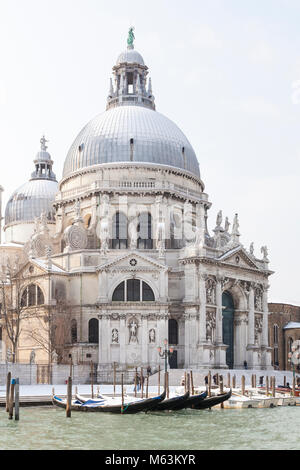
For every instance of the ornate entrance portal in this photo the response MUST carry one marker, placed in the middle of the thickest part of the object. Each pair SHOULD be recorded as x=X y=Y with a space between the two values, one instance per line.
x=228 y=328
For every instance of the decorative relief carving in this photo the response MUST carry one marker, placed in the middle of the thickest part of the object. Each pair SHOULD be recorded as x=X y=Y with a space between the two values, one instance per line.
x=152 y=335
x=115 y=336
x=210 y=286
x=258 y=299
x=257 y=328
x=76 y=237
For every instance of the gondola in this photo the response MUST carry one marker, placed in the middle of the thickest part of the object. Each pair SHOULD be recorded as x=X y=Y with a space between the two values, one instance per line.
x=106 y=406
x=174 y=403
x=209 y=402
x=194 y=400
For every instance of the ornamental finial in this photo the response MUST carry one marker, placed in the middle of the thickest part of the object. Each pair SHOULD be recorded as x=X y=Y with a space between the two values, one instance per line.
x=131 y=38
x=43 y=142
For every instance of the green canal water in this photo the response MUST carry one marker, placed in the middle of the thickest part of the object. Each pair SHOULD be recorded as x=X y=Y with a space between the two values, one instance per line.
x=47 y=428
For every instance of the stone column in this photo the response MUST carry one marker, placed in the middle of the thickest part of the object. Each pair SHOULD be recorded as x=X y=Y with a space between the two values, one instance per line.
x=251 y=318
x=102 y=287
x=144 y=339
x=202 y=309
x=219 y=315
x=105 y=346
x=265 y=340
x=187 y=339
x=122 y=338
x=100 y=358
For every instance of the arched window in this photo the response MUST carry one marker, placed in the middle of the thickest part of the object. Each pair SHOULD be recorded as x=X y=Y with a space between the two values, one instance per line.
x=73 y=331
x=133 y=290
x=32 y=296
x=119 y=231
x=94 y=331
x=145 y=231
x=173 y=331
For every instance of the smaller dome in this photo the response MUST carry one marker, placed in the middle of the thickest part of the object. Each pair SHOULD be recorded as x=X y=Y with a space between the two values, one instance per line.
x=30 y=200
x=43 y=156
x=130 y=56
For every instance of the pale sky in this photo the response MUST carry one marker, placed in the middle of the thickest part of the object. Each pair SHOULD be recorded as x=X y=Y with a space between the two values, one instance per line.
x=227 y=72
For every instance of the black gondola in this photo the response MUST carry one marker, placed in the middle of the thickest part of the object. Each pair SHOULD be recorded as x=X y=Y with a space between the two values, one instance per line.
x=105 y=407
x=209 y=402
x=173 y=403
x=194 y=400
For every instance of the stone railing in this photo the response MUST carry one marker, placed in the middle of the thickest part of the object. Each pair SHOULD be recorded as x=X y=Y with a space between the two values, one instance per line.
x=132 y=185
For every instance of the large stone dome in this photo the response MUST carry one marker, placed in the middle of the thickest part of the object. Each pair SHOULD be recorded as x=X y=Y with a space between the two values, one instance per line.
x=131 y=133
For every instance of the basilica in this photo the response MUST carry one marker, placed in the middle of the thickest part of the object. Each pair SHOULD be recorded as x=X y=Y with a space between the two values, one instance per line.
x=116 y=258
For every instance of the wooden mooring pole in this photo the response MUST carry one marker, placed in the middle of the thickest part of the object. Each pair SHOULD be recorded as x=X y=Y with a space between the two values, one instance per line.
x=243 y=384
x=167 y=379
x=158 y=380
x=267 y=385
x=142 y=382
x=8 y=381
x=234 y=381
x=209 y=383
x=69 y=397
x=17 y=400
x=11 y=399
x=122 y=387
x=114 y=379
x=273 y=386
x=135 y=382
x=147 y=385
x=192 y=383
x=294 y=385
x=221 y=388
x=92 y=379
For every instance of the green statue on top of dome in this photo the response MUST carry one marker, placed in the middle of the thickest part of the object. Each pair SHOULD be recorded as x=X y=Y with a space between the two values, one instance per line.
x=131 y=38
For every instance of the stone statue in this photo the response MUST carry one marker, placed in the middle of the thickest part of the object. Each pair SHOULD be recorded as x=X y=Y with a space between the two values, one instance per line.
x=133 y=327
x=77 y=210
x=131 y=38
x=132 y=231
x=104 y=236
x=152 y=335
x=160 y=239
x=251 y=249
x=219 y=219
x=36 y=225
x=43 y=142
x=227 y=225
x=32 y=357
x=210 y=326
x=54 y=357
x=115 y=336
x=264 y=251
x=236 y=225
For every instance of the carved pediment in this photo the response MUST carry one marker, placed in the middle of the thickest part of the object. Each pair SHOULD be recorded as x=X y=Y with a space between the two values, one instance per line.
x=37 y=267
x=238 y=257
x=133 y=262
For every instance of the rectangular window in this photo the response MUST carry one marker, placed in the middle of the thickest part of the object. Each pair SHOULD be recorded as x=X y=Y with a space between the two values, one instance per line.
x=133 y=290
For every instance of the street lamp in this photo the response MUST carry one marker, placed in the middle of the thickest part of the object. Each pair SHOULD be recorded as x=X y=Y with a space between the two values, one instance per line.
x=166 y=353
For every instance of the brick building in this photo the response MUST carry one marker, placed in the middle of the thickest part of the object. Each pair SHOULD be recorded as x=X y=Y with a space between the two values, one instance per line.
x=284 y=329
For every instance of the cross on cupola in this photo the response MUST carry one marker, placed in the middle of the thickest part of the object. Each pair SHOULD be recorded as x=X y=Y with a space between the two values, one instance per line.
x=130 y=85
